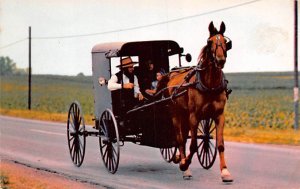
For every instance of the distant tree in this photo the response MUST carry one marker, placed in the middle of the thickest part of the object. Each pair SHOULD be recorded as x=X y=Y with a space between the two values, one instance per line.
x=7 y=66
x=80 y=74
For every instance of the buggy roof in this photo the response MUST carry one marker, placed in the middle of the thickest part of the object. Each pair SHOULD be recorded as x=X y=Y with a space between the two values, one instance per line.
x=137 y=48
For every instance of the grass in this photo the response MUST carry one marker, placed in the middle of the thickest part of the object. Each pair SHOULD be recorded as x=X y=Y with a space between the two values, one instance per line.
x=262 y=135
x=4 y=181
x=40 y=115
x=259 y=110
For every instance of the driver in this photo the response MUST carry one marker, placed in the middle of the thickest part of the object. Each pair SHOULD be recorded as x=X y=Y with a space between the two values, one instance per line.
x=124 y=85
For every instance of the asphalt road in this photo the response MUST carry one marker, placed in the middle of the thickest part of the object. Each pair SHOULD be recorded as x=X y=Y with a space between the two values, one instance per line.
x=43 y=145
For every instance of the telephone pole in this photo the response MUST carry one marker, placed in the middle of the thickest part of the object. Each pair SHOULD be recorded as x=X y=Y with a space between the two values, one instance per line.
x=29 y=70
x=296 y=87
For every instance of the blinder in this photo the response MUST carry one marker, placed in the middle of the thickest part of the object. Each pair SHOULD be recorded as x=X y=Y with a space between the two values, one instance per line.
x=228 y=43
x=209 y=42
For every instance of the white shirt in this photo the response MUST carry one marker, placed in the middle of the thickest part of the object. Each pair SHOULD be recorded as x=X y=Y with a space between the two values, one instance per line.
x=113 y=85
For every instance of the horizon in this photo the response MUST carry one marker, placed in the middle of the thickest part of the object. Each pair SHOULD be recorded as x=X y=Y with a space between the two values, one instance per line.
x=77 y=75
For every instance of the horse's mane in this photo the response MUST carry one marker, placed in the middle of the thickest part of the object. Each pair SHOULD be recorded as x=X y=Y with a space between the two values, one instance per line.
x=203 y=54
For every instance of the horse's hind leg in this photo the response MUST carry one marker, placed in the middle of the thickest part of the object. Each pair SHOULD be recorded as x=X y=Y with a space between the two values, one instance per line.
x=193 y=123
x=225 y=175
x=176 y=119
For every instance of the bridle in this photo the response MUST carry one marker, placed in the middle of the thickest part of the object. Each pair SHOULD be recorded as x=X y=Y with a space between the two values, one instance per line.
x=228 y=45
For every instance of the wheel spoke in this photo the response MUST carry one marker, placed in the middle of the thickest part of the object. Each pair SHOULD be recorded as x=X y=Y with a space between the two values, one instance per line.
x=106 y=157
x=104 y=146
x=114 y=160
x=201 y=151
x=112 y=163
x=103 y=127
x=114 y=151
x=79 y=122
x=71 y=138
x=73 y=154
x=105 y=152
x=167 y=153
x=208 y=155
x=210 y=150
x=202 y=155
x=74 y=112
x=73 y=126
x=77 y=157
x=212 y=130
x=72 y=147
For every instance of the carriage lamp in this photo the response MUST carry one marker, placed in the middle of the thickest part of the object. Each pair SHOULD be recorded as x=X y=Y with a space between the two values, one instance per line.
x=102 y=81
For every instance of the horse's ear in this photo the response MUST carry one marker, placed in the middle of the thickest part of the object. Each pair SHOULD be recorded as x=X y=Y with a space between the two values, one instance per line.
x=211 y=29
x=222 y=28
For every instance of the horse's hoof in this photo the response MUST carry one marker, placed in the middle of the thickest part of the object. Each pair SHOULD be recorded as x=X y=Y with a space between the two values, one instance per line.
x=176 y=159
x=184 y=164
x=227 y=179
x=226 y=176
x=187 y=175
x=183 y=167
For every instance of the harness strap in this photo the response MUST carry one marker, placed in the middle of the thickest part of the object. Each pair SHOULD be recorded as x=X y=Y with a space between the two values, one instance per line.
x=201 y=87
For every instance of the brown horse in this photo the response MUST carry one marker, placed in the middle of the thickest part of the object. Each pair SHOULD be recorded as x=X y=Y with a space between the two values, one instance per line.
x=204 y=100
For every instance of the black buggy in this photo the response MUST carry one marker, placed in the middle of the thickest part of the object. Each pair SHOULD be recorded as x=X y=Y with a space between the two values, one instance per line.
x=147 y=123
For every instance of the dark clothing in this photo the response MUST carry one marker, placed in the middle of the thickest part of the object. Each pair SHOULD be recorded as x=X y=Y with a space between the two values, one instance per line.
x=123 y=99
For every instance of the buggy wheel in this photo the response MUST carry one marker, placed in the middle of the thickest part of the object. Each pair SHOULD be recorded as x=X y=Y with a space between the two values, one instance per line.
x=109 y=141
x=76 y=134
x=168 y=153
x=207 y=148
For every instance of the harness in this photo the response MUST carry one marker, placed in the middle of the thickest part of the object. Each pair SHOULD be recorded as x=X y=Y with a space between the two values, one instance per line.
x=198 y=84
x=202 y=88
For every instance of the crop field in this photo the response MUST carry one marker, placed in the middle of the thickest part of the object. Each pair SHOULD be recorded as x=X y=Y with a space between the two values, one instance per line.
x=258 y=100
x=261 y=100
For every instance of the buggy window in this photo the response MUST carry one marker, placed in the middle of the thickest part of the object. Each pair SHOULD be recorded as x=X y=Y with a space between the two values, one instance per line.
x=173 y=61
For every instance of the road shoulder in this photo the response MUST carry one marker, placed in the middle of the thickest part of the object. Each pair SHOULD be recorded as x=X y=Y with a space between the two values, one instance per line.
x=15 y=175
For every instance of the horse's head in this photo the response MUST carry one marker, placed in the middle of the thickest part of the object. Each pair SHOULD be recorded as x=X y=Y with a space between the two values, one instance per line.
x=218 y=45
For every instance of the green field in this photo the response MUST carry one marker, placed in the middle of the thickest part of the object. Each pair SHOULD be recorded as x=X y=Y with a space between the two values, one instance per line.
x=258 y=100
x=50 y=93
x=261 y=100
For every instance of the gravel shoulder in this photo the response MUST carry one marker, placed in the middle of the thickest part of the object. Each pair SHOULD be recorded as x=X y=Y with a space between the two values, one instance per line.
x=14 y=175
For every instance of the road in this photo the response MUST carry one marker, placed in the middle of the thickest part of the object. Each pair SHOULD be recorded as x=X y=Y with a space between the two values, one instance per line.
x=43 y=145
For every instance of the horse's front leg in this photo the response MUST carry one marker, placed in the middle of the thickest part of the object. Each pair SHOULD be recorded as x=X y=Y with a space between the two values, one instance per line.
x=193 y=123
x=225 y=174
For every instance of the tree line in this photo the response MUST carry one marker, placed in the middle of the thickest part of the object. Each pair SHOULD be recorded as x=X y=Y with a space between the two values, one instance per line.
x=9 y=67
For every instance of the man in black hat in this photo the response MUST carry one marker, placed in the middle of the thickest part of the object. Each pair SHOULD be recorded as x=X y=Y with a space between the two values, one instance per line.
x=124 y=87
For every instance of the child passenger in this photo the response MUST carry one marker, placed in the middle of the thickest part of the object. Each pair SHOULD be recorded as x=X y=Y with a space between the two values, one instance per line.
x=159 y=75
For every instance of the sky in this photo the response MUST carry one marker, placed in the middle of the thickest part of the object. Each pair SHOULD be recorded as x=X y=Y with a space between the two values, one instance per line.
x=64 y=31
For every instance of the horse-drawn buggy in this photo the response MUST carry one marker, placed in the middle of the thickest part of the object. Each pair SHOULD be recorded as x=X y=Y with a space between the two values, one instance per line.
x=149 y=122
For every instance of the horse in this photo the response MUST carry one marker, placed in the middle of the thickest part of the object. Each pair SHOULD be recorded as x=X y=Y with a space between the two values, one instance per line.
x=205 y=98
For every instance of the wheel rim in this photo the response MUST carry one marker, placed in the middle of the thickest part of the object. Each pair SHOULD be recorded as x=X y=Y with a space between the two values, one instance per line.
x=109 y=141
x=168 y=154
x=76 y=134
x=207 y=150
